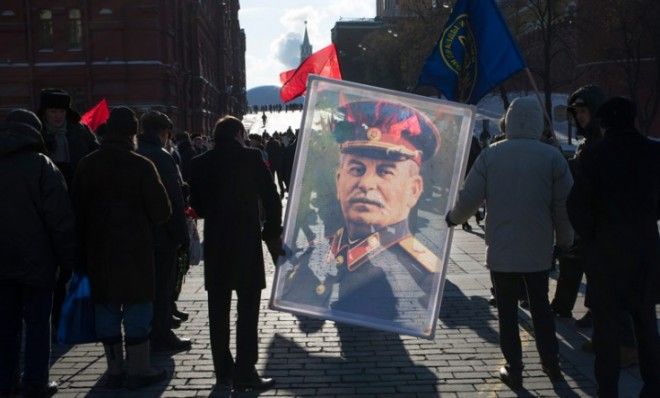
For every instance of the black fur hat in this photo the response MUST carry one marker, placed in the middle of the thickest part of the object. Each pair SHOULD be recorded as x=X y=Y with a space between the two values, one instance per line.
x=55 y=98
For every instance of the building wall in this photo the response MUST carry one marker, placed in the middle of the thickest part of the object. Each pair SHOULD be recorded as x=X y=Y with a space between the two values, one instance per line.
x=169 y=55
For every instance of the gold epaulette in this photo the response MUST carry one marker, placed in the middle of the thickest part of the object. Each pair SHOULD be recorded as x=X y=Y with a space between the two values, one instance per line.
x=421 y=253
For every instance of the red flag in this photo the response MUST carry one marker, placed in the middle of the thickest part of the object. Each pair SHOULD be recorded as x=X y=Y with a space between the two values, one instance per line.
x=323 y=62
x=96 y=116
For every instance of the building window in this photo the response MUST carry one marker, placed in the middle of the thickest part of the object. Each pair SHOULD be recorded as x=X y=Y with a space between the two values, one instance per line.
x=75 y=29
x=46 y=29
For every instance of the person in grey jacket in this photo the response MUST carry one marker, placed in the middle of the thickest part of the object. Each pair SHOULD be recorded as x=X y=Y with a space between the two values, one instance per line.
x=525 y=184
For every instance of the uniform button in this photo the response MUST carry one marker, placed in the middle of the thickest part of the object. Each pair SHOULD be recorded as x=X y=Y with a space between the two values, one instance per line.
x=320 y=289
x=340 y=260
x=372 y=241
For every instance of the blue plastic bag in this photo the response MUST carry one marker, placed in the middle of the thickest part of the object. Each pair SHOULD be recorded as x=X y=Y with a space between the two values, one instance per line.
x=77 y=324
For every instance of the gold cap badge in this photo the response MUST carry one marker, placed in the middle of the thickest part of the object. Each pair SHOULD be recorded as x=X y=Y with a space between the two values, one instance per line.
x=374 y=134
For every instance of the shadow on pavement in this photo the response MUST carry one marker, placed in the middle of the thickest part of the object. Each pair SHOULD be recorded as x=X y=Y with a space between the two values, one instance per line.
x=370 y=362
x=158 y=361
x=459 y=310
x=563 y=389
x=57 y=351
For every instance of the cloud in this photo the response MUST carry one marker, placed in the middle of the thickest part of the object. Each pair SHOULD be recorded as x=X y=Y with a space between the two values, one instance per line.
x=287 y=49
x=274 y=46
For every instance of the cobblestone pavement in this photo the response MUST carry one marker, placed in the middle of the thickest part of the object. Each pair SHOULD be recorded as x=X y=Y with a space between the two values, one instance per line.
x=324 y=359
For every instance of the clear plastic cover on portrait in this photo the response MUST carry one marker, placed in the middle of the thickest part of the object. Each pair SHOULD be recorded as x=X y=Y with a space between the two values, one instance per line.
x=375 y=173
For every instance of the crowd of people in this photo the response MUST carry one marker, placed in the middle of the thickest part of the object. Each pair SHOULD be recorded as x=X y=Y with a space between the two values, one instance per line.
x=117 y=205
x=597 y=213
x=276 y=108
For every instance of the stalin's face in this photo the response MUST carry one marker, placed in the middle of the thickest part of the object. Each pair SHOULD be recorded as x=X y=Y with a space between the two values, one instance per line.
x=374 y=193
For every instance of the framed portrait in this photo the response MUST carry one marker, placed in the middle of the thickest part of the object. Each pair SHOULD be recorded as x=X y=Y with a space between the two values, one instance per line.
x=375 y=173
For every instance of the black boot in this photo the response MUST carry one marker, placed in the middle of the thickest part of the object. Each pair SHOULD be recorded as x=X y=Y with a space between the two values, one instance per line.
x=510 y=377
x=114 y=376
x=170 y=343
x=255 y=384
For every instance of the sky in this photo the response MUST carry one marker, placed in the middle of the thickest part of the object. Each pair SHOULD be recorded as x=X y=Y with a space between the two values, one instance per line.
x=274 y=31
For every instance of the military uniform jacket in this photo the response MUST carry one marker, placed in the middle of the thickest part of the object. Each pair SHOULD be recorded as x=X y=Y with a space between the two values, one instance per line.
x=387 y=275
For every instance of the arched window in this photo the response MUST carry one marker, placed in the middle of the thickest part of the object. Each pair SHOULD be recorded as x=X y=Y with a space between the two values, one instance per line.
x=75 y=29
x=45 y=29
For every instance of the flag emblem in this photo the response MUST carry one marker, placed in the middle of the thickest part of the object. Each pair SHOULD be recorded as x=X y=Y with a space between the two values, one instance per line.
x=459 y=53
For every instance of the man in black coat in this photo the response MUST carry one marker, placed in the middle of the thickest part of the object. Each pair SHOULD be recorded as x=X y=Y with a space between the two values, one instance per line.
x=582 y=107
x=275 y=156
x=169 y=237
x=36 y=238
x=228 y=182
x=67 y=142
x=614 y=206
x=186 y=152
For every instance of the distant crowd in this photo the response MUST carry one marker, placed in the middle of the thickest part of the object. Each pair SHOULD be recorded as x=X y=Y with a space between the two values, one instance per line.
x=276 y=108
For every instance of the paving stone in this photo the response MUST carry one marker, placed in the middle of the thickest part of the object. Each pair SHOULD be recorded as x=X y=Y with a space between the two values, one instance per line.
x=461 y=361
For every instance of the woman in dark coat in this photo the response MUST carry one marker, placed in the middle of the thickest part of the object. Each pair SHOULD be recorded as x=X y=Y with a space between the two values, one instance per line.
x=118 y=196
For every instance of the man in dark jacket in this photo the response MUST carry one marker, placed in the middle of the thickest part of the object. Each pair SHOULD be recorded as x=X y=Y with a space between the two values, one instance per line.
x=186 y=152
x=36 y=238
x=227 y=184
x=582 y=107
x=614 y=206
x=168 y=238
x=275 y=156
x=67 y=141
x=118 y=197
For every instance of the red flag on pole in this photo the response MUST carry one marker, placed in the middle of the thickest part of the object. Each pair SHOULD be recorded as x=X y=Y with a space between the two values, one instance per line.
x=323 y=62
x=96 y=116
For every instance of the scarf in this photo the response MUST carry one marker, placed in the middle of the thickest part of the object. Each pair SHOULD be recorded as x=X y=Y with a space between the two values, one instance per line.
x=61 y=151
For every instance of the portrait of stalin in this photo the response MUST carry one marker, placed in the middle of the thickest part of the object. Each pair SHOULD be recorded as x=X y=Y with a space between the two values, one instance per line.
x=373 y=266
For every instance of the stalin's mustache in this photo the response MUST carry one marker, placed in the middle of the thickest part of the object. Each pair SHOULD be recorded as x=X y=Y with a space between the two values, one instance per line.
x=364 y=199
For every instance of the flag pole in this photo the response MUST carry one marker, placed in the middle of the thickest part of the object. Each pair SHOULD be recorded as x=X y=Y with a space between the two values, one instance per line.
x=538 y=97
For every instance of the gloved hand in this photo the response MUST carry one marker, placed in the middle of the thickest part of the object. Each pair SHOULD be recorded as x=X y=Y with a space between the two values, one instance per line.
x=275 y=249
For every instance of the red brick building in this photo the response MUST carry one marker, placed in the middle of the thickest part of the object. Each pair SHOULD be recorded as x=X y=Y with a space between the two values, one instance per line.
x=182 y=57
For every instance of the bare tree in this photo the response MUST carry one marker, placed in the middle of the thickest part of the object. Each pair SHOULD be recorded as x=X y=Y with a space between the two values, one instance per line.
x=394 y=56
x=634 y=50
x=547 y=32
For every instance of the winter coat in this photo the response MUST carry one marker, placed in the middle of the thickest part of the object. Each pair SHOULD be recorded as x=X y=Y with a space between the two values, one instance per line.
x=525 y=184
x=81 y=143
x=36 y=221
x=275 y=153
x=475 y=150
x=186 y=153
x=614 y=206
x=227 y=184
x=118 y=197
x=175 y=231
x=591 y=97
x=288 y=158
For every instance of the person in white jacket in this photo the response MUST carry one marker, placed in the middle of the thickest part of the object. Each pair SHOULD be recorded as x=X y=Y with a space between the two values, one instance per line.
x=525 y=184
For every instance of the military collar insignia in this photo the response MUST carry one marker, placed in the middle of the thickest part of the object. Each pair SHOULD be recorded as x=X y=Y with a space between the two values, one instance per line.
x=353 y=255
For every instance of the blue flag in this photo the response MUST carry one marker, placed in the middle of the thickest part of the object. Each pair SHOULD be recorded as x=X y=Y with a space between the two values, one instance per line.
x=475 y=53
